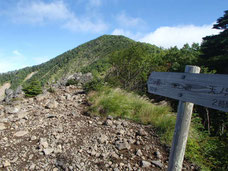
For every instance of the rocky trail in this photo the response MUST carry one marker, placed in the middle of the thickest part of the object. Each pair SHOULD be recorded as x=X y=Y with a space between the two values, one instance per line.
x=52 y=132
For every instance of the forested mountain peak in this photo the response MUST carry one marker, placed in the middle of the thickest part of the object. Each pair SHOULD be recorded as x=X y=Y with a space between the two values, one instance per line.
x=69 y=62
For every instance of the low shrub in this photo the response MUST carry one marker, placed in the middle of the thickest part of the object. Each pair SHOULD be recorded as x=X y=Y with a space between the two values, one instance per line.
x=72 y=82
x=94 y=85
x=32 y=89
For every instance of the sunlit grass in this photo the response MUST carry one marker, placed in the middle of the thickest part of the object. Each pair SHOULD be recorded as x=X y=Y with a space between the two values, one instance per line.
x=119 y=103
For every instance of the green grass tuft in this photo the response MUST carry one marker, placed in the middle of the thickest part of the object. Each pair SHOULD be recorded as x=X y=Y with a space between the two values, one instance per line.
x=119 y=103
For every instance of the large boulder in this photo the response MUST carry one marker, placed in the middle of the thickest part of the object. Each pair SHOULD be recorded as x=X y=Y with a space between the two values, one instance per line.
x=83 y=78
x=86 y=78
x=8 y=92
x=78 y=77
x=18 y=91
x=8 y=95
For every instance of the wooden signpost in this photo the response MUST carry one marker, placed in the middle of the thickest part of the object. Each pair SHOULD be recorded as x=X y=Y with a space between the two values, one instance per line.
x=209 y=90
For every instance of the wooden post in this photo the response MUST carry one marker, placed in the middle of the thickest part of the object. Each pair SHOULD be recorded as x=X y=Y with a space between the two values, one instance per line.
x=180 y=137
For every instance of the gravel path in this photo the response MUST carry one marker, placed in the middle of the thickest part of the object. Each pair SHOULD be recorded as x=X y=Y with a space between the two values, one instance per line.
x=51 y=133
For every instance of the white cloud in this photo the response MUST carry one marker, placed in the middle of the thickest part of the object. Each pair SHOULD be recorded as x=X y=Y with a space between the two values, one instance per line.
x=9 y=66
x=127 y=33
x=17 y=53
x=127 y=21
x=177 y=36
x=121 y=32
x=39 y=13
x=85 y=25
x=12 y=60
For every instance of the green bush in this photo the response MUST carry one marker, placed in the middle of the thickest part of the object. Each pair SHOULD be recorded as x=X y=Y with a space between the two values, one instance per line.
x=33 y=89
x=72 y=82
x=94 y=85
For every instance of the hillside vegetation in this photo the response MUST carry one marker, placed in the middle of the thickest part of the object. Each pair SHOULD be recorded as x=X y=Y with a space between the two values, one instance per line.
x=69 y=62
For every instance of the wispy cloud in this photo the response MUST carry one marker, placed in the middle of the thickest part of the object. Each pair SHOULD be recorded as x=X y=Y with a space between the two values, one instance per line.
x=38 y=12
x=12 y=61
x=41 y=13
x=127 y=21
x=127 y=33
x=85 y=25
x=178 y=36
x=17 y=53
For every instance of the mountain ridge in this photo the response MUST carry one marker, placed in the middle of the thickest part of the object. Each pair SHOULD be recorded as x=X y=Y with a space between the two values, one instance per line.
x=70 y=61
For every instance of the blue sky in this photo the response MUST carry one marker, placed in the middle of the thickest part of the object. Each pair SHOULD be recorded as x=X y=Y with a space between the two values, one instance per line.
x=34 y=31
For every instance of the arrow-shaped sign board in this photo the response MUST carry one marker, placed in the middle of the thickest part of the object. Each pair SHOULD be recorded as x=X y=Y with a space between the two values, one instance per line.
x=209 y=90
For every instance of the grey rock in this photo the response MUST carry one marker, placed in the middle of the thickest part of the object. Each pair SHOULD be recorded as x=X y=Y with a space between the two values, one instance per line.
x=31 y=156
x=2 y=126
x=114 y=155
x=18 y=91
x=6 y=163
x=157 y=163
x=13 y=110
x=20 y=133
x=102 y=139
x=99 y=123
x=52 y=104
x=43 y=143
x=139 y=152
x=142 y=132
x=110 y=117
x=124 y=123
x=93 y=153
x=108 y=122
x=145 y=163
x=158 y=154
x=40 y=97
x=8 y=92
x=121 y=132
x=68 y=96
x=14 y=160
x=22 y=115
x=32 y=166
x=122 y=145
x=48 y=151
x=50 y=116
x=79 y=77
x=9 y=95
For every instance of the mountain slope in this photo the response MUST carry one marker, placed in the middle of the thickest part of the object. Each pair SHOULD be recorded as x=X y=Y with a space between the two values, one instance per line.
x=69 y=62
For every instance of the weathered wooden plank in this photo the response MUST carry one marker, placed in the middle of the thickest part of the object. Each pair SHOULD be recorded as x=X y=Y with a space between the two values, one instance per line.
x=216 y=79
x=184 y=114
x=207 y=90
